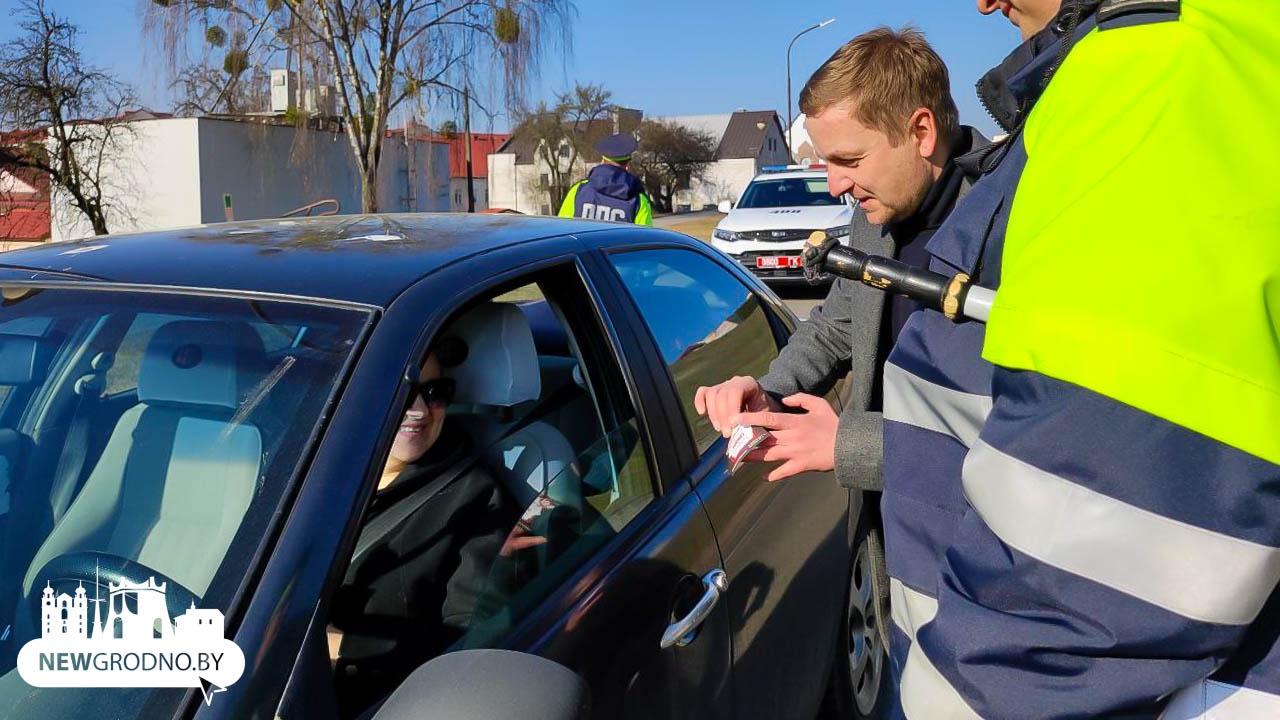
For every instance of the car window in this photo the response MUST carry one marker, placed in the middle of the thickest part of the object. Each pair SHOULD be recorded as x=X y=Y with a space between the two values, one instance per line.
x=788 y=192
x=707 y=324
x=488 y=503
x=178 y=482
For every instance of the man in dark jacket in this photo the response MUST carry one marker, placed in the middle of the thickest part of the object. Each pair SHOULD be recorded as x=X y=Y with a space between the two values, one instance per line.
x=880 y=112
x=610 y=192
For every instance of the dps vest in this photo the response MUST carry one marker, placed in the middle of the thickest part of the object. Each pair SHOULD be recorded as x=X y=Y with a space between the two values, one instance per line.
x=608 y=193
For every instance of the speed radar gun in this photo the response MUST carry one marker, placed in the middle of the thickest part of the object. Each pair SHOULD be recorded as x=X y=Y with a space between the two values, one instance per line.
x=955 y=297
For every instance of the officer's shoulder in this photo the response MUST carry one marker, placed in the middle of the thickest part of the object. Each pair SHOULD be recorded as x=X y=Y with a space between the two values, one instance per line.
x=1118 y=74
x=1115 y=14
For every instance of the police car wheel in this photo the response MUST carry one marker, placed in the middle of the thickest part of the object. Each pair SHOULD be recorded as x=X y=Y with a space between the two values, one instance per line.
x=859 y=676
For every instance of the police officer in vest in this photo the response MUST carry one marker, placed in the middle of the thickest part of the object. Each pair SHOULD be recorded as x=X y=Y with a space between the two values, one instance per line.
x=1082 y=496
x=610 y=192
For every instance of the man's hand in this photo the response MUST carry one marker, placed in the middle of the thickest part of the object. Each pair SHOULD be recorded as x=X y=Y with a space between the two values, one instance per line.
x=735 y=395
x=803 y=441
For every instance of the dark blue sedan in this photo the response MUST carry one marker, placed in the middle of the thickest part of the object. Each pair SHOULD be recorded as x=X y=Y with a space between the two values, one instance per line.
x=368 y=442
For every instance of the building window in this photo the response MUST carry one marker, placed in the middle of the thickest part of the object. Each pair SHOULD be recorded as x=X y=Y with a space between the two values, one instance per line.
x=564 y=151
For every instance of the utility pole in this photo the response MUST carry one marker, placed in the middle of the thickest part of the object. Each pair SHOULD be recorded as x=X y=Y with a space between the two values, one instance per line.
x=466 y=122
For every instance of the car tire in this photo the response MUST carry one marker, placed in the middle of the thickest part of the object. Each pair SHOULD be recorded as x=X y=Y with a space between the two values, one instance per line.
x=859 y=684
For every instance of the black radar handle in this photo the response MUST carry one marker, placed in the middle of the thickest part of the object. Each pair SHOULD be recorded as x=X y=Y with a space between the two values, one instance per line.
x=947 y=295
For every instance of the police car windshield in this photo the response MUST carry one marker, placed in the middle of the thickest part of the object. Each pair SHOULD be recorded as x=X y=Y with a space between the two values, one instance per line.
x=788 y=192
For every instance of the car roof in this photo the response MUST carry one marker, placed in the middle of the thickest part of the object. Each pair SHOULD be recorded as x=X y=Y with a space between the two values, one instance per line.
x=354 y=258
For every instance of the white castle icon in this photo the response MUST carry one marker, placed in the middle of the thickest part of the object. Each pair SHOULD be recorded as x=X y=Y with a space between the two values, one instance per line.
x=134 y=612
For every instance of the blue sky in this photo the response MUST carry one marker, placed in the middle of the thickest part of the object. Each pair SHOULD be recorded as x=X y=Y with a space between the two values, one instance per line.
x=665 y=57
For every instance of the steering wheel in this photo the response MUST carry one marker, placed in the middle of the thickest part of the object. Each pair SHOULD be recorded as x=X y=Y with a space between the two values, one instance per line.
x=67 y=572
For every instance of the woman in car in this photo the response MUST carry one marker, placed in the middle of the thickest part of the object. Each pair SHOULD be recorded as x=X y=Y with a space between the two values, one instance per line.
x=436 y=523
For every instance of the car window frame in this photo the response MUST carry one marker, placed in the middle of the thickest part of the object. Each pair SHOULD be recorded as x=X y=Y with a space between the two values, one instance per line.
x=477 y=292
x=607 y=342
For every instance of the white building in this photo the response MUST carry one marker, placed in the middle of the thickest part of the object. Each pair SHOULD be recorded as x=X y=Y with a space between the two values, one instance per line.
x=749 y=140
x=179 y=172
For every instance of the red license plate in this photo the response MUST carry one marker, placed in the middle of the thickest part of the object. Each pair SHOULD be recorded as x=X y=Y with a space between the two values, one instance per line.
x=778 y=261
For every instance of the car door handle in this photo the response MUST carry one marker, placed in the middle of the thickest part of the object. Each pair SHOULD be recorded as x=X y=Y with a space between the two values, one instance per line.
x=681 y=632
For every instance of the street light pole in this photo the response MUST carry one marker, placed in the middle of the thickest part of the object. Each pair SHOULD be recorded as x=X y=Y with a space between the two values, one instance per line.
x=793 y=42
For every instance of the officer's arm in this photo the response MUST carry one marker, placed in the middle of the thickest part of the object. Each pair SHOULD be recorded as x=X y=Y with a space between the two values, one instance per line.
x=1124 y=537
x=644 y=216
x=567 y=207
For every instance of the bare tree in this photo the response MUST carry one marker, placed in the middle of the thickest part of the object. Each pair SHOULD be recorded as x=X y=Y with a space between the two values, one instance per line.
x=66 y=113
x=562 y=136
x=380 y=53
x=205 y=90
x=670 y=157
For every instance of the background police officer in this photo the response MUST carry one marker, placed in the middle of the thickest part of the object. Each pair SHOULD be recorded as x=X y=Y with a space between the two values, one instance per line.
x=610 y=192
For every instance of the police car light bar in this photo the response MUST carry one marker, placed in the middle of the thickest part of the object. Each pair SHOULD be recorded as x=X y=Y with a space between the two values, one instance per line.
x=791 y=168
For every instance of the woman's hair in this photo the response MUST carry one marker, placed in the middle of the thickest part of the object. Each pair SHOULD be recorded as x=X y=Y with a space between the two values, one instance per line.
x=450 y=351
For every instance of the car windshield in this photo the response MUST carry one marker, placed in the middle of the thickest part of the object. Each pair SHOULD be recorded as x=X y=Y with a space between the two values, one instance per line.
x=145 y=435
x=788 y=192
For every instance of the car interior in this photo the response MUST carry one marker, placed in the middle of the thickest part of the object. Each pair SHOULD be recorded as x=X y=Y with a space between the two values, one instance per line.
x=573 y=471
x=144 y=444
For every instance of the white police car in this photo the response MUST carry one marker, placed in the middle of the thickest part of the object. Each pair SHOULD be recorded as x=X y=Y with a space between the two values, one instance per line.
x=778 y=210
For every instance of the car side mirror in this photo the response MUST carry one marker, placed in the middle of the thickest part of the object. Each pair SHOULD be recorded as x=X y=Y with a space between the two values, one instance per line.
x=725 y=206
x=489 y=684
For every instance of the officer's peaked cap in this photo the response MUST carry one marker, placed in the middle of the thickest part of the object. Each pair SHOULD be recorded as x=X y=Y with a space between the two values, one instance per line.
x=617 y=147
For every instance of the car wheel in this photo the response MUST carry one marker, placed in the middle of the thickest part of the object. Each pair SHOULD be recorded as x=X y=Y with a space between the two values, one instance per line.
x=860 y=672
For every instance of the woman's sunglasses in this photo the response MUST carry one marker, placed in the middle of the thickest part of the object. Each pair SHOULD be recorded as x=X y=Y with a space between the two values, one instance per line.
x=438 y=392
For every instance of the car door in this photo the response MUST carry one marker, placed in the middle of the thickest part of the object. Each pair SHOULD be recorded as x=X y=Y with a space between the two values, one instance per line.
x=785 y=545
x=622 y=559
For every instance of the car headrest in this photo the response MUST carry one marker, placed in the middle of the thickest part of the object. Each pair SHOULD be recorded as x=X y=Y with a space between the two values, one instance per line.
x=23 y=359
x=501 y=362
x=201 y=362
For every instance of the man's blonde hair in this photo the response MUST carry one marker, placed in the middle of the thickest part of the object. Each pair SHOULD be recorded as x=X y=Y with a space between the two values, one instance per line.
x=888 y=75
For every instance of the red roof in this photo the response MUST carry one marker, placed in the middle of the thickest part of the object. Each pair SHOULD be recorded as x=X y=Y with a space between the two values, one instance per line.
x=25 y=223
x=481 y=145
x=16 y=137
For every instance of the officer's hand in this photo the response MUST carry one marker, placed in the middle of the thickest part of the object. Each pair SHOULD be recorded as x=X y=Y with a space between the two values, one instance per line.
x=804 y=442
x=738 y=393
